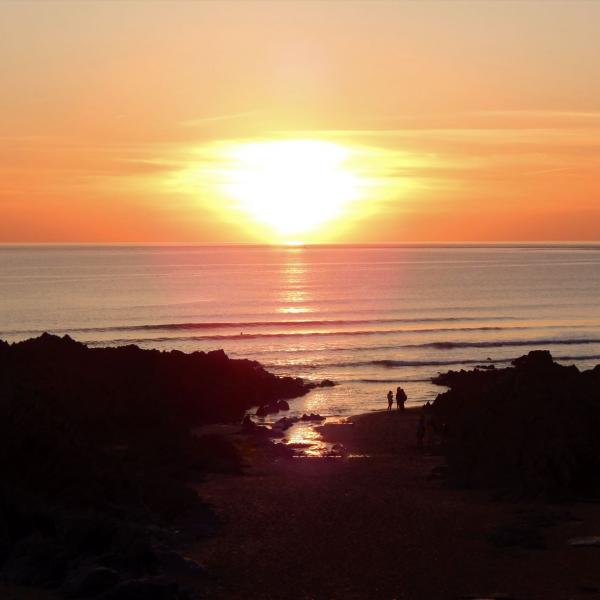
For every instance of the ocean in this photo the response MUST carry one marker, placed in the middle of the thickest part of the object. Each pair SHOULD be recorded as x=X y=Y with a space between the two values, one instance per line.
x=368 y=317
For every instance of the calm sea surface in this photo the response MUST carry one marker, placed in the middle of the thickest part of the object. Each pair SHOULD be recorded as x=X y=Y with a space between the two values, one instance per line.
x=370 y=318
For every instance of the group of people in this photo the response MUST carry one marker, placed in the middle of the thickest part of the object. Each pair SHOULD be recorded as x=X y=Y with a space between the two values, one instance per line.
x=400 y=398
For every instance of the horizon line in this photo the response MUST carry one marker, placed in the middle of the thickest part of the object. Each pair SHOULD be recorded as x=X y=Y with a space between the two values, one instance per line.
x=316 y=244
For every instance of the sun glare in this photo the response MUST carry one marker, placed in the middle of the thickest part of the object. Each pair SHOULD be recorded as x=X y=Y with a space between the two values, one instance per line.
x=292 y=186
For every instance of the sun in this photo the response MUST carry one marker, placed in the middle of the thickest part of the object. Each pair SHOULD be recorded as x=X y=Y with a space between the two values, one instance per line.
x=292 y=186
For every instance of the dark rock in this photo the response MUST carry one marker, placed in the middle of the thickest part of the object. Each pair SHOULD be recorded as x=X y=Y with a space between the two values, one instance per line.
x=133 y=554
x=536 y=359
x=262 y=411
x=145 y=589
x=89 y=535
x=260 y=431
x=327 y=383
x=267 y=409
x=285 y=423
x=127 y=381
x=91 y=582
x=35 y=561
x=272 y=408
x=174 y=561
x=281 y=450
x=109 y=428
x=98 y=443
x=532 y=427
x=312 y=417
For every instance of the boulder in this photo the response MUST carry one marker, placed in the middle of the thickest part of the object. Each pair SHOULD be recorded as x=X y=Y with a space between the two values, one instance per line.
x=312 y=417
x=283 y=405
x=285 y=423
x=91 y=582
x=272 y=408
x=262 y=411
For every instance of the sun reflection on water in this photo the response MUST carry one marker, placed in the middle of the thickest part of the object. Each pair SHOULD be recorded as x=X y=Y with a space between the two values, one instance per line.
x=295 y=298
x=294 y=309
x=294 y=294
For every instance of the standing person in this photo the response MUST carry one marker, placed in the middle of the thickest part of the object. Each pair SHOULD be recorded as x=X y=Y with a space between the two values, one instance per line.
x=400 y=398
x=390 y=398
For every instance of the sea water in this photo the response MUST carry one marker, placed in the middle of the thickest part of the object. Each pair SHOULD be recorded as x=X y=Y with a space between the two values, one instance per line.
x=369 y=318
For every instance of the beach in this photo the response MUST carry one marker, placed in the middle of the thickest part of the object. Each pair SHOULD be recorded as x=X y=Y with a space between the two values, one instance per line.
x=381 y=526
x=163 y=492
x=378 y=525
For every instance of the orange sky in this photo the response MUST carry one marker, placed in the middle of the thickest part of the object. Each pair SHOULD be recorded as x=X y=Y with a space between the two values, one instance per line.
x=468 y=120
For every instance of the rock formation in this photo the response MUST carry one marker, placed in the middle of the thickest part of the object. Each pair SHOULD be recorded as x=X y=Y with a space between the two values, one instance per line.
x=534 y=426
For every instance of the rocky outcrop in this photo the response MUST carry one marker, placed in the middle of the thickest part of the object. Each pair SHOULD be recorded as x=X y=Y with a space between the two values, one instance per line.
x=534 y=426
x=199 y=387
x=96 y=454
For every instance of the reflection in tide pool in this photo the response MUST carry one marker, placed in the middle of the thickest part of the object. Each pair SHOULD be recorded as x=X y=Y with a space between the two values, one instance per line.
x=311 y=443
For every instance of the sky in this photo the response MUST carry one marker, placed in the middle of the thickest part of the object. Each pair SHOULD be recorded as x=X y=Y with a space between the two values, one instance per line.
x=299 y=121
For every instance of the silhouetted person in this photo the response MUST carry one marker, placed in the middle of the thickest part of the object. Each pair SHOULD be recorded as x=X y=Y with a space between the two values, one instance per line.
x=400 y=398
x=390 y=398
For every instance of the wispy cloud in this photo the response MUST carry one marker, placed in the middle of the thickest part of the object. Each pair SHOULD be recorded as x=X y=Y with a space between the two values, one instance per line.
x=199 y=122
x=538 y=113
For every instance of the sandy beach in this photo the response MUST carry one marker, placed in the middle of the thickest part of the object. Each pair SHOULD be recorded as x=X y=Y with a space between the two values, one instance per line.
x=377 y=524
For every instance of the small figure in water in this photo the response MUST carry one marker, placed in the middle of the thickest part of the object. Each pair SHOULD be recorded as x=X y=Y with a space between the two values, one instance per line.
x=400 y=398
x=390 y=398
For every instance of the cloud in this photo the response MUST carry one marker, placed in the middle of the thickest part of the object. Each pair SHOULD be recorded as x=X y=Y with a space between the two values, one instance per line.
x=216 y=118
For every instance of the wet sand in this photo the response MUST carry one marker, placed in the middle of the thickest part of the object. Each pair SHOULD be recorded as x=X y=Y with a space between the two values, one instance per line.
x=376 y=524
